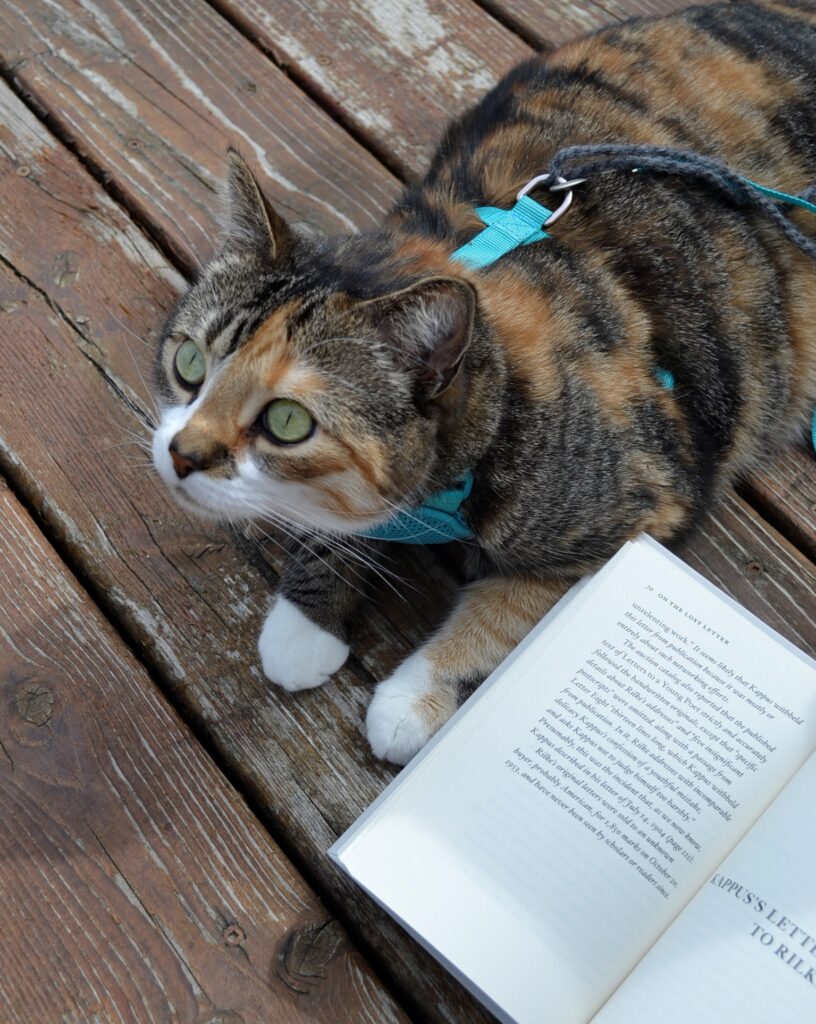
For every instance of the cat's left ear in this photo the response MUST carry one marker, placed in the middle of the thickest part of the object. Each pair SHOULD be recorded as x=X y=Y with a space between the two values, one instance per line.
x=430 y=325
x=253 y=225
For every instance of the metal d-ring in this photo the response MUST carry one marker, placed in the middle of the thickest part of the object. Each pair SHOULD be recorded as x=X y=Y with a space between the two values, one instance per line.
x=560 y=185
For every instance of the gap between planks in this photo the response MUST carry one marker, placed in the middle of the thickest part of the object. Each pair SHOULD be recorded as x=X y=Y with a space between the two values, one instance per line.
x=322 y=98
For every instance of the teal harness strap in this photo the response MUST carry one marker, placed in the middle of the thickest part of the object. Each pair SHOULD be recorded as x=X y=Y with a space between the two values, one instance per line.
x=505 y=231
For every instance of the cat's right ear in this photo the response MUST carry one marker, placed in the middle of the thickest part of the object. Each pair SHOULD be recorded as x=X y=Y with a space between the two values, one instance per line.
x=252 y=224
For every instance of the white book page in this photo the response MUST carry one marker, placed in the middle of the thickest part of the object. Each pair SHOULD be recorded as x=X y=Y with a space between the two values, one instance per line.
x=550 y=836
x=745 y=947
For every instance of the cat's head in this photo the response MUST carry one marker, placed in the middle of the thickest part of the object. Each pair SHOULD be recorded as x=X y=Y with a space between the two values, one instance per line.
x=299 y=383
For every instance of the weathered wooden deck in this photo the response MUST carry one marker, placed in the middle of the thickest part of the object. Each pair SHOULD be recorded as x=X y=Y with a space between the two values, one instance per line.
x=165 y=813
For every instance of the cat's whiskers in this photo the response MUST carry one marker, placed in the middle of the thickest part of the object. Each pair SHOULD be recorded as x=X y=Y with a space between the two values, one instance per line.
x=142 y=443
x=275 y=519
x=279 y=521
x=148 y=393
x=338 y=544
x=247 y=529
x=234 y=526
x=365 y=556
x=400 y=510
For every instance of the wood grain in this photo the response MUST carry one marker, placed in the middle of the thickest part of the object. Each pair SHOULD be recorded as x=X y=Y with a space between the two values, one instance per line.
x=786 y=489
x=397 y=71
x=153 y=94
x=743 y=556
x=136 y=885
x=550 y=23
x=394 y=70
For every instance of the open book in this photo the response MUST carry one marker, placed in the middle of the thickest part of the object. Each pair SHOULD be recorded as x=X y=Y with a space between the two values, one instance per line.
x=620 y=825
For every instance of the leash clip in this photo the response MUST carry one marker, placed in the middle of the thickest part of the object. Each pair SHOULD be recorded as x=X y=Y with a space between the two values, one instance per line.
x=559 y=185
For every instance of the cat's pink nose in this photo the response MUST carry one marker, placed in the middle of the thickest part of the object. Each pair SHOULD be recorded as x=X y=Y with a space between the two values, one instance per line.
x=183 y=464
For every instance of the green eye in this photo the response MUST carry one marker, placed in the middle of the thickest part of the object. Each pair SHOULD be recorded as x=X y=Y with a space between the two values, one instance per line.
x=191 y=368
x=287 y=421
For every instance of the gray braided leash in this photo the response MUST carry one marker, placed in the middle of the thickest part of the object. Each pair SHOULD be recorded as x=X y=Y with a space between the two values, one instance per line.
x=581 y=162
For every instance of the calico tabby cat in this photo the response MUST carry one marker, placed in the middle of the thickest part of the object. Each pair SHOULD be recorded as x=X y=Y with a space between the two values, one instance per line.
x=327 y=382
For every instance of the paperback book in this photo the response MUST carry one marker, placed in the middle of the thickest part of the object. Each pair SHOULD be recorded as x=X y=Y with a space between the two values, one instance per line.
x=619 y=827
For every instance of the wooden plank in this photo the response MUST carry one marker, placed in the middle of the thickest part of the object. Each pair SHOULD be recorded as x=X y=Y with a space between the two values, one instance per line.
x=192 y=602
x=152 y=95
x=136 y=884
x=550 y=23
x=395 y=71
x=739 y=552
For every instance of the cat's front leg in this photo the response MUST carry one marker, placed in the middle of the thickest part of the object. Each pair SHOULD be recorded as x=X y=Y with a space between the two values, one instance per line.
x=304 y=639
x=492 y=616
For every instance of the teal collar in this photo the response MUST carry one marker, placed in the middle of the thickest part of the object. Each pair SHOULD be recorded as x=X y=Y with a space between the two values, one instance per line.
x=437 y=520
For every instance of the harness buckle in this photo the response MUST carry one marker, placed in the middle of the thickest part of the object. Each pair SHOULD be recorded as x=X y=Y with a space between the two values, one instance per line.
x=559 y=185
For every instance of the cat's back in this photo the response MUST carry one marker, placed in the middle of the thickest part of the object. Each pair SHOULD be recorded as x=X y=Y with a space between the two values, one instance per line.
x=732 y=80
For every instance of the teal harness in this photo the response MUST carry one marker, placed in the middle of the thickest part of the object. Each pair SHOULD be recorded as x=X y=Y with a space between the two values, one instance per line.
x=440 y=518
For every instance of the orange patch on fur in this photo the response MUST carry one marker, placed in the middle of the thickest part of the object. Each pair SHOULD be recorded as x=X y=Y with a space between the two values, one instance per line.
x=337 y=501
x=425 y=256
x=435 y=708
x=270 y=345
x=491 y=618
x=671 y=511
x=529 y=327
x=308 y=466
x=346 y=475
x=370 y=459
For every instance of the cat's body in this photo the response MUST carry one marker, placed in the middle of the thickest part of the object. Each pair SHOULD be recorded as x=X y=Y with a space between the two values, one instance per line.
x=537 y=373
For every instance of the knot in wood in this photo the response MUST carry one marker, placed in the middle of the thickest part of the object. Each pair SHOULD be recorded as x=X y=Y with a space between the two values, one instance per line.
x=233 y=934
x=66 y=268
x=307 y=953
x=34 y=703
x=753 y=568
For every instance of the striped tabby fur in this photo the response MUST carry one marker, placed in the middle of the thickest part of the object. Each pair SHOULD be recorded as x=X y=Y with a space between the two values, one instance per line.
x=539 y=372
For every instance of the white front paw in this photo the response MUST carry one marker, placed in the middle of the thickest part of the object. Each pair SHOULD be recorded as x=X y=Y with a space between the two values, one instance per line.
x=406 y=711
x=295 y=652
